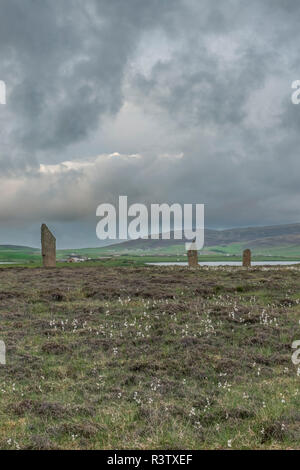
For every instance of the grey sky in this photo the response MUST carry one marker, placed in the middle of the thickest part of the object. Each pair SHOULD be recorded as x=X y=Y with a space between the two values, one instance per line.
x=161 y=100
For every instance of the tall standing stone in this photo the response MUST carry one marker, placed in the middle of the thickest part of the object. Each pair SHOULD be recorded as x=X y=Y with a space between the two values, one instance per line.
x=48 y=247
x=193 y=256
x=247 y=258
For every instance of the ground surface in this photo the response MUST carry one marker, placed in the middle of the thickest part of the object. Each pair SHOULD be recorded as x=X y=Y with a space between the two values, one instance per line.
x=116 y=255
x=149 y=357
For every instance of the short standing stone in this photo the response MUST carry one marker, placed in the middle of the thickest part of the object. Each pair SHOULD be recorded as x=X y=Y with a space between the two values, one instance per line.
x=193 y=258
x=48 y=247
x=247 y=258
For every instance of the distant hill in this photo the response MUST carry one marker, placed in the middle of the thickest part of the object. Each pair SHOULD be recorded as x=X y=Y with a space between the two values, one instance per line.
x=18 y=248
x=253 y=237
x=275 y=240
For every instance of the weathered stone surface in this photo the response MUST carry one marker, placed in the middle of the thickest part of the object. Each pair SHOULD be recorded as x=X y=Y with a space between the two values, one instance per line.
x=193 y=258
x=247 y=258
x=48 y=247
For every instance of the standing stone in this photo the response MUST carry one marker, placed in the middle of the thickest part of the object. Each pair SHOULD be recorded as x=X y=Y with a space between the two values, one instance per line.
x=193 y=258
x=48 y=247
x=193 y=255
x=247 y=258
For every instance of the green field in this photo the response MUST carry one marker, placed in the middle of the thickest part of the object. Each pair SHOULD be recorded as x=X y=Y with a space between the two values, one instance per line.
x=19 y=254
x=237 y=248
x=116 y=256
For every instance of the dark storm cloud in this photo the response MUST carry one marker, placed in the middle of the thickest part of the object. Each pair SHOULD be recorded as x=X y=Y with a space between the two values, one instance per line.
x=220 y=82
x=195 y=95
x=64 y=64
